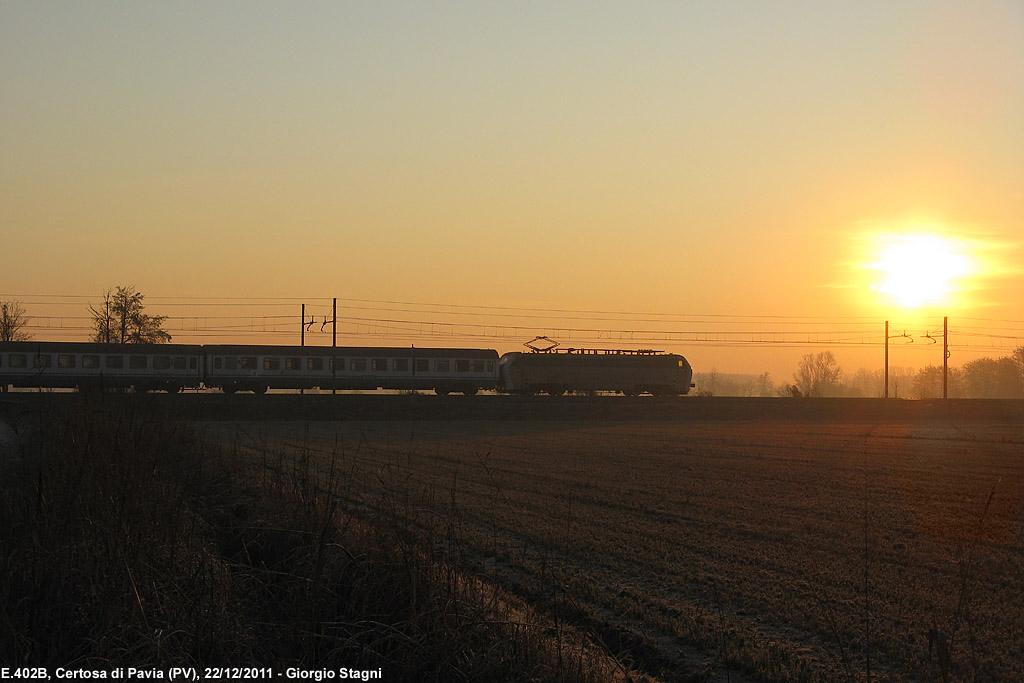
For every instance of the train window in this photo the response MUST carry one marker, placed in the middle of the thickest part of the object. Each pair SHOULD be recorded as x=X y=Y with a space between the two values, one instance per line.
x=490 y=366
x=90 y=361
x=338 y=363
x=478 y=366
x=400 y=365
x=218 y=363
x=247 y=362
x=17 y=360
x=292 y=363
x=462 y=366
x=316 y=364
x=65 y=360
x=193 y=363
x=680 y=363
x=230 y=363
x=161 y=362
x=442 y=366
x=358 y=365
x=422 y=365
x=271 y=363
x=42 y=360
x=379 y=364
x=115 y=362
x=179 y=363
x=138 y=362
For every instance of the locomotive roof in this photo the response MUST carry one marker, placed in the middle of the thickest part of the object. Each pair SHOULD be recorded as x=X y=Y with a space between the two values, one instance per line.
x=605 y=360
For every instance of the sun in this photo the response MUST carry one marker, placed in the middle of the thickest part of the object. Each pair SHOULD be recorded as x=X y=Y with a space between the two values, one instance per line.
x=919 y=270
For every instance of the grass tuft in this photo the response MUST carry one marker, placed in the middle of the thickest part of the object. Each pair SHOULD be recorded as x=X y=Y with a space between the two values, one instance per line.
x=126 y=538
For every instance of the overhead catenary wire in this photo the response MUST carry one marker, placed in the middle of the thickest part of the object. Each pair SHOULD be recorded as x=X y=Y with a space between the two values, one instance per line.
x=454 y=309
x=436 y=322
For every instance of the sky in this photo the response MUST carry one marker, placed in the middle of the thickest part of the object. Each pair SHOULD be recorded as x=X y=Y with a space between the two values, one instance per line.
x=574 y=169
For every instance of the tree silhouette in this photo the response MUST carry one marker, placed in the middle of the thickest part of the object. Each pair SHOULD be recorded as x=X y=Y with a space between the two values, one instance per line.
x=992 y=378
x=817 y=374
x=121 y=319
x=13 y=321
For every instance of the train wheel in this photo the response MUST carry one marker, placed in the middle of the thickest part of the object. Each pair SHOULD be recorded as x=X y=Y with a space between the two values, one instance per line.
x=556 y=391
x=173 y=388
x=259 y=390
x=470 y=391
x=441 y=391
x=229 y=388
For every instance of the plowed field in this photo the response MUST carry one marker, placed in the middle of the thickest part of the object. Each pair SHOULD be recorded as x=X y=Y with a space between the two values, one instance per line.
x=786 y=550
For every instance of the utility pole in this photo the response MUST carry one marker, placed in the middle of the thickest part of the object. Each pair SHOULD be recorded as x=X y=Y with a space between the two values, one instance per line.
x=909 y=339
x=886 y=392
x=334 y=346
x=302 y=336
x=945 y=357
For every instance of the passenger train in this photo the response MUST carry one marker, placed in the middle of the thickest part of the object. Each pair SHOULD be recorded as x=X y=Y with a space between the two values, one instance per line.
x=234 y=368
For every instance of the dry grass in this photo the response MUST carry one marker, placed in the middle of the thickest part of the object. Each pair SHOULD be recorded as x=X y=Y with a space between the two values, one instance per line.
x=727 y=550
x=125 y=539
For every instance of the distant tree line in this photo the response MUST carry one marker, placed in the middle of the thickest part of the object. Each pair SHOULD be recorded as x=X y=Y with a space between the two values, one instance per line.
x=819 y=374
x=981 y=378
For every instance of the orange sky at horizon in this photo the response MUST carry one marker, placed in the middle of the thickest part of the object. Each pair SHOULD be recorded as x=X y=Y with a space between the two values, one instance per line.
x=728 y=159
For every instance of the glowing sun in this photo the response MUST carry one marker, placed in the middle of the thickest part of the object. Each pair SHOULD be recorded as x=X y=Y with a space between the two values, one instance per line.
x=918 y=270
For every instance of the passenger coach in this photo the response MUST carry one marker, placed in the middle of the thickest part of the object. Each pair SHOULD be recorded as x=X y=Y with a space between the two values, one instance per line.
x=144 y=367
x=258 y=368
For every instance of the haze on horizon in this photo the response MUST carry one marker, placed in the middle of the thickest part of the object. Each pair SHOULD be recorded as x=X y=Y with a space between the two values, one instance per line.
x=698 y=159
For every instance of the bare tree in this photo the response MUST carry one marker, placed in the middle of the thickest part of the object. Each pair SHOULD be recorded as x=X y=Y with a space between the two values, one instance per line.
x=817 y=374
x=103 y=320
x=121 y=319
x=865 y=382
x=13 y=321
x=928 y=382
